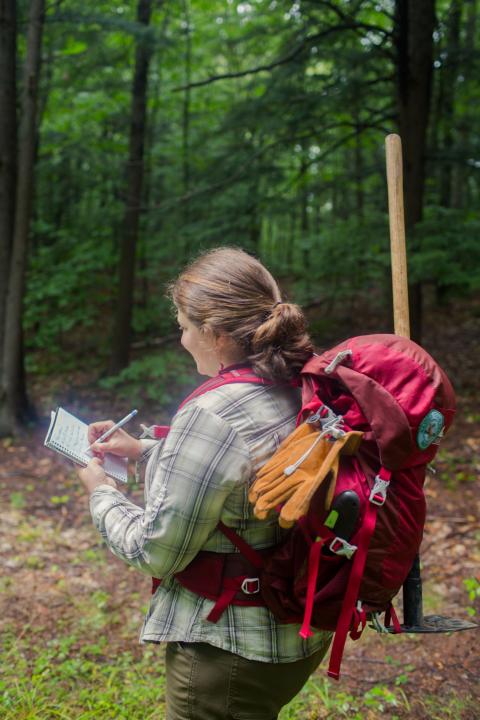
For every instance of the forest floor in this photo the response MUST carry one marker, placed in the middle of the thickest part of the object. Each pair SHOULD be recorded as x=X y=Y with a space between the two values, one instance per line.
x=70 y=612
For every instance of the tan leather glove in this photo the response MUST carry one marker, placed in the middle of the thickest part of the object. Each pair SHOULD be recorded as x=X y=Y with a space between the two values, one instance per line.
x=292 y=475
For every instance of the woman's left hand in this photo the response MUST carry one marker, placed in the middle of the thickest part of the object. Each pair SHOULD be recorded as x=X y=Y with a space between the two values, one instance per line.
x=94 y=475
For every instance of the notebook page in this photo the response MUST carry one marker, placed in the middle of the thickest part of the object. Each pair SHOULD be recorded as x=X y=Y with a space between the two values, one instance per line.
x=69 y=435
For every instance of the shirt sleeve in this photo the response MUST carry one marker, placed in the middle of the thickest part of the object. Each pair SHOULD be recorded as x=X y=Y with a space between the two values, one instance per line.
x=202 y=460
x=147 y=446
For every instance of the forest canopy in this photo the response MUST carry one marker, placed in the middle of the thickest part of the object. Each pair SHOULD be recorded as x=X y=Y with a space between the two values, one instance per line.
x=158 y=129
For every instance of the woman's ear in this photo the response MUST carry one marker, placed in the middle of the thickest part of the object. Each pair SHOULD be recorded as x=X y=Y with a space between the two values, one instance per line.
x=209 y=338
x=220 y=343
x=226 y=345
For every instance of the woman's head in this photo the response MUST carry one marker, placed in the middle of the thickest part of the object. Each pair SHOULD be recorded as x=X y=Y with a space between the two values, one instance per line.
x=228 y=298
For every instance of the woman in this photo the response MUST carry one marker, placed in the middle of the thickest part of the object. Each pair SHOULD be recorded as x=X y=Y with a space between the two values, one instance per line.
x=244 y=665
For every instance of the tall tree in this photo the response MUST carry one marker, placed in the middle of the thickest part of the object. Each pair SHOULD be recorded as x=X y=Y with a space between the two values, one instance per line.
x=449 y=81
x=8 y=144
x=124 y=305
x=186 y=109
x=13 y=401
x=414 y=25
x=467 y=68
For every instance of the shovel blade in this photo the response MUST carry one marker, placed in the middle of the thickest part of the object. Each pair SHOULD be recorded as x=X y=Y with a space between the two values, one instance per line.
x=439 y=624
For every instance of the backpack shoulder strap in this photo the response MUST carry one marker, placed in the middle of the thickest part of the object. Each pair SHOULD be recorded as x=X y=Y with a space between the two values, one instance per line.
x=228 y=376
x=232 y=374
x=246 y=550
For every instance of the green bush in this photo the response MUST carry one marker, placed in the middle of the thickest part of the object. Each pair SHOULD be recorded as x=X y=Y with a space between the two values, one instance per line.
x=160 y=376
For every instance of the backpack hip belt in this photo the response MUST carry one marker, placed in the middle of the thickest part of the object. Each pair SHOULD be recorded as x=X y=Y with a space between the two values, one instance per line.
x=226 y=578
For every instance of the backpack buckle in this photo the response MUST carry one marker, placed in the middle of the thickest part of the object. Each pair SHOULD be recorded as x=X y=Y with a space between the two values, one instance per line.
x=330 y=423
x=341 y=547
x=250 y=586
x=378 y=494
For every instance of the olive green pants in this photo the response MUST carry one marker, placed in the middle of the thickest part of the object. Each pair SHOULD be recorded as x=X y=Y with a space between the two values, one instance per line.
x=206 y=683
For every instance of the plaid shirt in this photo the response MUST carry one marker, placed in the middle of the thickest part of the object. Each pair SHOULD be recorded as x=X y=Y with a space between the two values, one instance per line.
x=198 y=475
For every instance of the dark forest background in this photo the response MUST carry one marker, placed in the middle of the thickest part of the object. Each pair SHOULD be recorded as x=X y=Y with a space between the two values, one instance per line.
x=135 y=134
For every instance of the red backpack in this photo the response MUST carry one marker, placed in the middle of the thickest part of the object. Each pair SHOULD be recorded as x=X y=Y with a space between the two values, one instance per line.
x=340 y=564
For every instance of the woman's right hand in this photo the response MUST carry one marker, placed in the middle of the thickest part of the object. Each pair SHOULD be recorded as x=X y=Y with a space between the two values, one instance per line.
x=120 y=443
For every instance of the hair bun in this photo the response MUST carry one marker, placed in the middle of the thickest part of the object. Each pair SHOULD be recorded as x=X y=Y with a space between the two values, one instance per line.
x=281 y=345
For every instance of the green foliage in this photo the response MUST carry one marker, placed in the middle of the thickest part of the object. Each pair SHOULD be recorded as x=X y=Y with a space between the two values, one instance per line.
x=448 y=252
x=65 y=291
x=63 y=680
x=472 y=586
x=161 y=377
x=284 y=157
x=17 y=500
x=344 y=260
x=320 y=698
x=453 y=707
x=455 y=470
x=59 y=499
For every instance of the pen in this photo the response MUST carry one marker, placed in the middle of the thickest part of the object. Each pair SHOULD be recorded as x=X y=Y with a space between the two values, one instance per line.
x=117 y=425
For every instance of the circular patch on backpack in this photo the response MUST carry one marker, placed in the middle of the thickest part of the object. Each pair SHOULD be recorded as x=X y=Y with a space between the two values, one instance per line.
x=430 y=429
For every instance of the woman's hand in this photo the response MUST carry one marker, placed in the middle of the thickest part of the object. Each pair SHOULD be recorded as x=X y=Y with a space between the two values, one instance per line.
x=120 y=443
x=94 y=475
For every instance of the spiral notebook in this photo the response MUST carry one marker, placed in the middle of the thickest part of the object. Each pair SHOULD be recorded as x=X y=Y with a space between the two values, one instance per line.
x=67 y=435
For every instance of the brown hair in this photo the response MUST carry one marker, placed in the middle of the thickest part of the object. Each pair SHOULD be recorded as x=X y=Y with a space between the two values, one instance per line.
x=230 y=292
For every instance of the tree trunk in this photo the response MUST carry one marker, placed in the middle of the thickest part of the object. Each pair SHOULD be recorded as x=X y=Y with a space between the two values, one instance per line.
x=151 y=182
x=291 y=238
x=414 y=25
x=449 y=80
x=358 y=167
x=304 y=223
x=186 y=117
x=14 y=407
x=253 y=236
x=8 y=144
x=460 y=187
x=124 y=307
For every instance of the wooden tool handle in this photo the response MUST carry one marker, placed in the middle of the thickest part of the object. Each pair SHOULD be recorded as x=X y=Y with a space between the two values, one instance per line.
x=401 y=317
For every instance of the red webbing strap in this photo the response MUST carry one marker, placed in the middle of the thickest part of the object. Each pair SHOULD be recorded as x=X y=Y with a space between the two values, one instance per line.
x=230 y=587
x=314 y=556
x=351 y=595
x=314 y=559
x=223 y=601
x=359 y=623
x=391 y=617
x=350 y=598
x=247 y=550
